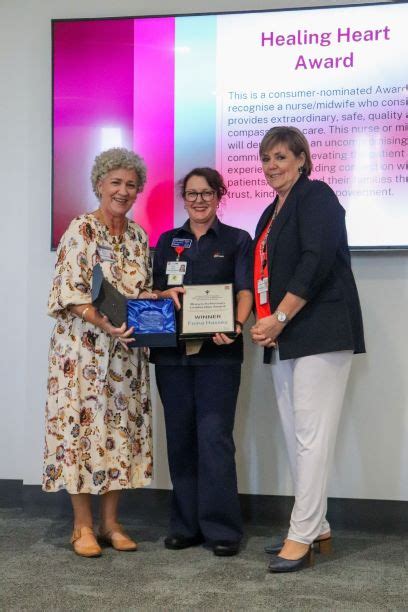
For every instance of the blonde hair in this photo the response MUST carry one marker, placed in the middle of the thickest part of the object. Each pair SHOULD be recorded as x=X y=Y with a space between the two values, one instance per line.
x=295 y=141
x=115 y=158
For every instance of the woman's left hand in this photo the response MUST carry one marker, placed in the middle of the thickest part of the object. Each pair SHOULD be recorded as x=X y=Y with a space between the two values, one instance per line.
x=173 y=293
x=147 y=295
x=266 y=330
x=224 y=339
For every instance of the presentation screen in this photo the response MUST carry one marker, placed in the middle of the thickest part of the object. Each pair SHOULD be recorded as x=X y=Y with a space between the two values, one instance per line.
x=188 y=91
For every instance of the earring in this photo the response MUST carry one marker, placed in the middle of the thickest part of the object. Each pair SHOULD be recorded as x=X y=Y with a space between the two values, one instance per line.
x=301 y=169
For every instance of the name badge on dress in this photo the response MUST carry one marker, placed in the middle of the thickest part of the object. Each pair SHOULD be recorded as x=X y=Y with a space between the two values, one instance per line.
x=105 y=253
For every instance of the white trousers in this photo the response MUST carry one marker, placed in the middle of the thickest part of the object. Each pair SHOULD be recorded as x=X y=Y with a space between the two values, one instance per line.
x=310 y=393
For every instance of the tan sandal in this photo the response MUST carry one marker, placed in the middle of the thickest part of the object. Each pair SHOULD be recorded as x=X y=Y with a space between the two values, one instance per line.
x=84 y=542
x=118 y=538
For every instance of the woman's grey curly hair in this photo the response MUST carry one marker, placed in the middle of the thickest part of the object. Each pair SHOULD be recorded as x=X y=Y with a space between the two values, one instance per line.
x=115 y=158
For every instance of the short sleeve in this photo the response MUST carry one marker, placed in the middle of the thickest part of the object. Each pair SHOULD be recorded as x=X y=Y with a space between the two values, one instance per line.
x=73 y=270
x=159 y=265
x=243 y=263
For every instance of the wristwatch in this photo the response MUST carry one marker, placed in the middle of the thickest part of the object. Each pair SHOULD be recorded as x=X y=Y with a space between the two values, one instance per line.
x=281 y=316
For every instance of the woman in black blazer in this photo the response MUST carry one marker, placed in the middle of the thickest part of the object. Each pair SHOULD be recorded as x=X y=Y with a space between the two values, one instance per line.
x=309 y=323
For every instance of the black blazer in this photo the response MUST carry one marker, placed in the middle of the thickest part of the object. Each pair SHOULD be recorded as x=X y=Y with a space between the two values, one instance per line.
x=308 y=255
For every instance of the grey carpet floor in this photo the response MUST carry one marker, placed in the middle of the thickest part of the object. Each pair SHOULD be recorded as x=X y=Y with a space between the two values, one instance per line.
x=39 y=571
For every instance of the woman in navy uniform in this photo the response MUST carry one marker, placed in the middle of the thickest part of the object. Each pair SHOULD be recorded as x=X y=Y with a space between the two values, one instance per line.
x=198 y=383
x=307 y=307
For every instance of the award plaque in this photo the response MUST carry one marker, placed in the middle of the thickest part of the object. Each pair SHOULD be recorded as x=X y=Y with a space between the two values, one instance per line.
x=206 y=310
x=154 y=320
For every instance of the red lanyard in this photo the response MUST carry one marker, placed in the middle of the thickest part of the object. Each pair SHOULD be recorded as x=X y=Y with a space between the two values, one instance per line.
x=179 y=250
x=262 y=247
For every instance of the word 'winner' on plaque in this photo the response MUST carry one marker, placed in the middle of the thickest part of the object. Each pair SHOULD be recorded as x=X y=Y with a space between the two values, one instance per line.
x=206 y=310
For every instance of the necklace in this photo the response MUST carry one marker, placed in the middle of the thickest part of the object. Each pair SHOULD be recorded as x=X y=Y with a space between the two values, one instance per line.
x=101 y=218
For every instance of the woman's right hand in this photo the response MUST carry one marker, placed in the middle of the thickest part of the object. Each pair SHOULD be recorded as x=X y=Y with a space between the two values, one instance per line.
x=172 y=293
x=265 y=331
x=122 y=334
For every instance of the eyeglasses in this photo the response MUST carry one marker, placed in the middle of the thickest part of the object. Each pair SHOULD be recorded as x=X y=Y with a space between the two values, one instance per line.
x=206 y=196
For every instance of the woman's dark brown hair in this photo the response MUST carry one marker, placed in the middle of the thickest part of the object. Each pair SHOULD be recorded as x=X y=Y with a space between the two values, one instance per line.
x=213 y=178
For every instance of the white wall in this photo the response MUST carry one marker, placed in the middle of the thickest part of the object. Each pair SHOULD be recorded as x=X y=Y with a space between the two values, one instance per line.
x=372 y=451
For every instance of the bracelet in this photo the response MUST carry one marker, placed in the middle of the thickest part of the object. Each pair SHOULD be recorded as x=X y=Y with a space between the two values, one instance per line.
x=239 y=324
x=83 y=313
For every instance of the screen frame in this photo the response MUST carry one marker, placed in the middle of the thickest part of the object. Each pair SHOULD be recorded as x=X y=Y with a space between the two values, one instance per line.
x=354 y=248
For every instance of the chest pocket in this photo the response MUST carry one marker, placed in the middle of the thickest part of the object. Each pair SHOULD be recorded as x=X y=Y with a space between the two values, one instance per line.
x=214 y=267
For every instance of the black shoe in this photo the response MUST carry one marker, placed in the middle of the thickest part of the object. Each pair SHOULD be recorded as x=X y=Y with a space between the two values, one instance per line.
x=225 y=548
x=178 y=542
x=280 y=565
x=323 y=546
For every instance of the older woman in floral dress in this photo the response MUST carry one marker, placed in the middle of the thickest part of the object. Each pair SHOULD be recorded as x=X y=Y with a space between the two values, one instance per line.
x=98 y=415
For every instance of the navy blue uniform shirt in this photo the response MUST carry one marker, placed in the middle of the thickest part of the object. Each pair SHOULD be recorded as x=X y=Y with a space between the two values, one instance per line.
x=222 y=255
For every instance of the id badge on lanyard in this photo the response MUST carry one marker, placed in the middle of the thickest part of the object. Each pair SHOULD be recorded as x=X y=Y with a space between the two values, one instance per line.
x=262 y=289
x=176 y=270
x=263 y=284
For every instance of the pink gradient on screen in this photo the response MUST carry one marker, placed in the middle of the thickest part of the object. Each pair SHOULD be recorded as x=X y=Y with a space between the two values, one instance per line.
x=153 y=126
x=93 y=91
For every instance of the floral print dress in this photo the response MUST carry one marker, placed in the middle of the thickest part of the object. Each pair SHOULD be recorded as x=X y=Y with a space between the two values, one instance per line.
x=98 y=413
